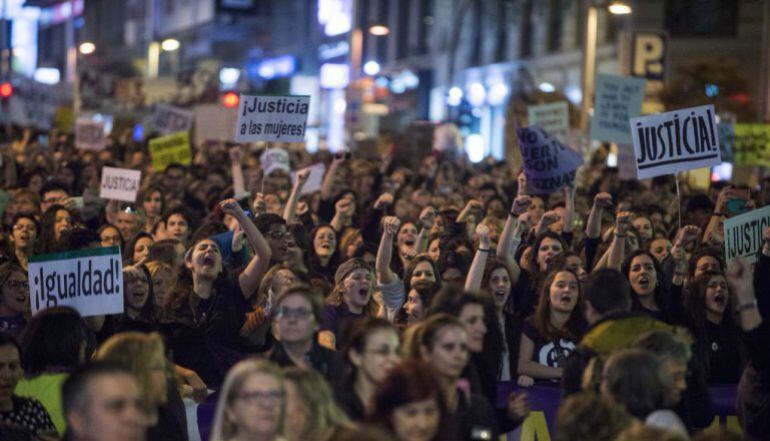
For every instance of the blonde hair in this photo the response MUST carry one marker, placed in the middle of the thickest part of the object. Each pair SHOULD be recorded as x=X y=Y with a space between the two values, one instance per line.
x=314 y=392
x=640 y=432
x=223 y=429
x=134 y=351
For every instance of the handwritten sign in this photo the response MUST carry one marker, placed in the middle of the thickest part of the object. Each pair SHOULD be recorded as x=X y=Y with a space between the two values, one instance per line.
x=89 y=135
x=314 y=181
x=272 y=118
x=618 y=99
x=169 y=119
x=743 y=234
x=553 y=118
x=274 y=159
x=752 y=144
x=169 y=149
x=90 y=281
x=120 y=184
x=548 y=164
x=675 y=141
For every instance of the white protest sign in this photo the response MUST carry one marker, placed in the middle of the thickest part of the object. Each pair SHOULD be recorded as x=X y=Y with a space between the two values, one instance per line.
x=169 y=119
x=120 y=184
x=90 y=281
x=274 y=159
x=89 y=134
x=553 y=118
x=675 y=141
x=272 y=118
x=743 y=234
x=214 y=123
x=618 y=99
x=314 y=181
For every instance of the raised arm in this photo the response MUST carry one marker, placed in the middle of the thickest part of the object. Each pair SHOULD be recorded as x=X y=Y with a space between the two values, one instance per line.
x=296 y=191
x=251 y=275
x=385 y=251
x=427 y=219
x=569 y=208
x=510 y=238
x=594 y=223
x=476 y=271
x=617 y=250
x=546 y=220
x=739 y=277
x=327 y=188
x=688 y=234
x=239 y=188
x=343 y=214
x=713 y=228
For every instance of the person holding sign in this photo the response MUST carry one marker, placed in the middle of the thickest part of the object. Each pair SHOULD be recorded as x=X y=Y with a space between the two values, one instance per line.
x=204 y=312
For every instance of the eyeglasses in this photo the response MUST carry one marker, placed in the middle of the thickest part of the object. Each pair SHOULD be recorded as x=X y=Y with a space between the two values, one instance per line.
x=278 y=235
x=297 y=313
x=16 y=284
x=258 y=396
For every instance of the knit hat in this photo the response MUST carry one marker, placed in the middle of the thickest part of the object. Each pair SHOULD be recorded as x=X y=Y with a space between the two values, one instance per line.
x=348 y=267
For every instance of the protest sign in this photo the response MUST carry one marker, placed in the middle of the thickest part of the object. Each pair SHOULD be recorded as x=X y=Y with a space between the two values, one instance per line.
x=274 y=159
x=726 y=140
x=89 y=280
x=548 y=164
x=675 y=141
x=752 y=144
x=89 y=134
x=626 y=162
x=120 y=184
x=618 y=99
x=272 y=118
x=743 y=234
x=169 y=119
x=35 y=104
x=314 y=181
x=553 y=118
x=215 y=123
x=169 y=149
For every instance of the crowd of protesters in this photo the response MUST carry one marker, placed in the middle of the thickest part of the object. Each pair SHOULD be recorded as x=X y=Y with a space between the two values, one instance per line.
x=388 y=305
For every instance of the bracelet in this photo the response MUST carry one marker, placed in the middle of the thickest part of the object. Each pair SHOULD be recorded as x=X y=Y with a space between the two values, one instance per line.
x=716 y=213
x=483 y=250
x=746 y=306
x=513 y=214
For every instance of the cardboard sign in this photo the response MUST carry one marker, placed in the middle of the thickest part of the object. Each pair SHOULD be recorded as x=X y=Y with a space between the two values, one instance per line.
x=89 y=135
x=120 y=184
x=743 y=234
x=752 y=144
x=215 y=123
x=90 y=281
x=618 y=99
x=726 y=140
x=675 y=141
x=169 y=149
x=274 y=159
x=272 y=118
x=548 y=164
x=169 y=119
x=553 y=118
x=314 y=181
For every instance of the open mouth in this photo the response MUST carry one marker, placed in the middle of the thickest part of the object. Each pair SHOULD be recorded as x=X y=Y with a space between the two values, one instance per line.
x=208 y=261
x=500 y=294
x=720 y=299
x=644 y=282
x=364 y=293
x=409 y=241
x=566 y=298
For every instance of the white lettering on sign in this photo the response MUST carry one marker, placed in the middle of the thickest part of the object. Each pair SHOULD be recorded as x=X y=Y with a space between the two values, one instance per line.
x=120 y=184
x=675 y=141
x=272 y=118
x=90 y=281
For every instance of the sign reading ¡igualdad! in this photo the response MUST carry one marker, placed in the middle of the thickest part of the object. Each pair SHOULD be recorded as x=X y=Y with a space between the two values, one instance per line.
x=272 y=118
x=743 y=234
x=90 y=281
x=675 y=141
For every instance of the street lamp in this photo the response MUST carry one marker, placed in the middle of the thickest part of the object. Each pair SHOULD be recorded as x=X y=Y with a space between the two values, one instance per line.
x=169 y=44
x=589 y=52
x=380 y=30
x=87 y=48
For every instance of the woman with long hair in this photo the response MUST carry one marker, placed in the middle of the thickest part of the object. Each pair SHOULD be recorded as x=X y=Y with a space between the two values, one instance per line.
x=409 y=403
x=140 y=312
x=552 y=333
x=14 y=299
x=711 y=319
x=110 y=236
x=138 y=249
x=153 y=203
x=351 y=297
x=370 y=352
x=55 y=221
x=144 y=355
x=534 y=262
x=252 y=403
x=311 y=412
x=322 y=256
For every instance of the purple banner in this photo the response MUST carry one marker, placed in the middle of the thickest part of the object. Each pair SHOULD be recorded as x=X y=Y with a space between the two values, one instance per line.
x=548 y=164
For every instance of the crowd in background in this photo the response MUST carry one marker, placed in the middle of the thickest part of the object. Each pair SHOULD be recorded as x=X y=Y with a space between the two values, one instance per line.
x=388 y=305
